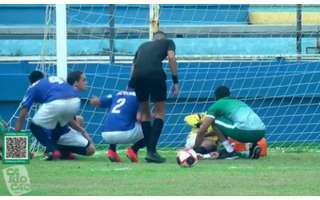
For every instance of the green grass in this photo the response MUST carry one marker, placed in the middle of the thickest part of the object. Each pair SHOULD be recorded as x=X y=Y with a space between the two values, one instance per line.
x=278 y=174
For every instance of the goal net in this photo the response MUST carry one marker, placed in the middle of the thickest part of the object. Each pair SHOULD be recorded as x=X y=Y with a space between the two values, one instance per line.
x=258 y=51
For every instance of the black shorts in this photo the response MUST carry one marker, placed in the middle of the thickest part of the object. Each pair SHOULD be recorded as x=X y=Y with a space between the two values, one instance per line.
x=156 y=89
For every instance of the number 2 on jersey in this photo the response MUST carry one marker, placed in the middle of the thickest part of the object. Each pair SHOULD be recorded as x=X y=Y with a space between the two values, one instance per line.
x=117 y=107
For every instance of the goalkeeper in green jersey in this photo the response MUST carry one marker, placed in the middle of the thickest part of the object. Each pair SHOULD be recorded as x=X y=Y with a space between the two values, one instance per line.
x=232 y=118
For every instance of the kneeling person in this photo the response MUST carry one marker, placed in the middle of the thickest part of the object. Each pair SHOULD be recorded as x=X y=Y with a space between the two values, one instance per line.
x=120 y=124
x=60 y=101
x=232 y=118
x=70 y=141
x=211 y=146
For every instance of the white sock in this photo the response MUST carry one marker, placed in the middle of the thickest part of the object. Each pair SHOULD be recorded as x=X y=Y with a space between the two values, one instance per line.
x=206 y=156
x=227 y=146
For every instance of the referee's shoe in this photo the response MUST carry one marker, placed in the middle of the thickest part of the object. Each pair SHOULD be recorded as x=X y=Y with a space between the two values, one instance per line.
x=154 y=157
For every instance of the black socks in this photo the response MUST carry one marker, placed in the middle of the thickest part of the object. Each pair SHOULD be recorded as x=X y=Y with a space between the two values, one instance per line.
x=146 y=129
x=152 y=134
x=138 y=145
x=113 y=147
x=155 y=134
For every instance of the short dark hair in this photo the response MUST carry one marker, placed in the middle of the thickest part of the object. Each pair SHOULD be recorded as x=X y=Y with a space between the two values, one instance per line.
x=159 y=35
x=74 y=76
x=35 y=76
x=221 y=91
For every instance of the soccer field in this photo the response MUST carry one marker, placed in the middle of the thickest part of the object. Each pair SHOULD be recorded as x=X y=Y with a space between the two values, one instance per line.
x=278 y=174
x=266 y=55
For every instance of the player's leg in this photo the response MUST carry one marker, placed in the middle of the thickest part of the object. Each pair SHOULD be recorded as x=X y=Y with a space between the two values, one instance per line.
x=112 y=153
x=113 y=138
x=146 y=122
x=254 y=151
x=228 y=129
x=245 y=136
x=152 y=154
x=138 y=140
x=158 y=122
x=157 y=90
x=47 y=118
x=142 y=89
x=254 y=137
x=263 y=144
x=53 y=114
x=74 y=142
x=159 y=96
x=132 y=152
x=45 y=139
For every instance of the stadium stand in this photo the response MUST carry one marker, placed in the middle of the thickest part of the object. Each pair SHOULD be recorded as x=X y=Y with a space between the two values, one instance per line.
x=271 y=15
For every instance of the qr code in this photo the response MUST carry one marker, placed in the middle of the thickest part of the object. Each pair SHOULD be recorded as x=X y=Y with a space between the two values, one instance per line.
x=16 y=147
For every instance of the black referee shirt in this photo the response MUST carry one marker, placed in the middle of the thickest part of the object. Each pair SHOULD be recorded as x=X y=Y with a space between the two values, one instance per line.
x=148 y=59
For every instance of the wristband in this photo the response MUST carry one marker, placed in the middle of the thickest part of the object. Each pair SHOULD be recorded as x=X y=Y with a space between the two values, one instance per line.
x=175 y=79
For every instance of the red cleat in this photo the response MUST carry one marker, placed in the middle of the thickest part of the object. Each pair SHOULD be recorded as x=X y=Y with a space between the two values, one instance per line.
x=113 y=156
x=133 y=156
x=52 y=155
x=56 y=154
x=68 y=156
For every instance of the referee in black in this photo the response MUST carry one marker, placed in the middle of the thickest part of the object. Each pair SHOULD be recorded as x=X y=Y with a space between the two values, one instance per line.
x=149 y=80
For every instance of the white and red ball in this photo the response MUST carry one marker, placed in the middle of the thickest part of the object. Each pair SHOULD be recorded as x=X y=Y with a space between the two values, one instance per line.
x=186 y=157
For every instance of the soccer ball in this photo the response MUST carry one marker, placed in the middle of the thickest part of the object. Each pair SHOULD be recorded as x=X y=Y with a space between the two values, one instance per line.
x=186 y=157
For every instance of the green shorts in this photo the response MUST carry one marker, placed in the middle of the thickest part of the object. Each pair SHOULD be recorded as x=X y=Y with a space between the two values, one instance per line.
x=228 y=129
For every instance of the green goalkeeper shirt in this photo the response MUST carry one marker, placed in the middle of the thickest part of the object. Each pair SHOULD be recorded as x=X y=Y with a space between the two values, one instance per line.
x=236 y=112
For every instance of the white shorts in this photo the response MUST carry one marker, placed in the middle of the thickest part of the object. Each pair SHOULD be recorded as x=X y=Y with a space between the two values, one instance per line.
x=123 y=137
x=73 y=138
x=58 y=111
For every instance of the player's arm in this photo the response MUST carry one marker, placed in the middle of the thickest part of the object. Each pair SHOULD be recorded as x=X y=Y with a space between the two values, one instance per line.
x=173 y=68
x=207 y=121
x=22 y=116
x=95 y=101
x=73 y=124
x=103 y=102
x=26 y=105
x=211 y=133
